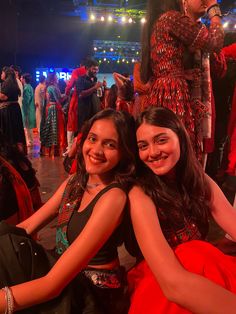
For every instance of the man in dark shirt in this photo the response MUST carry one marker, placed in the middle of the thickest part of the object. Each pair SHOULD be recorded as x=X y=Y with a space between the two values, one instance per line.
x=87 y=88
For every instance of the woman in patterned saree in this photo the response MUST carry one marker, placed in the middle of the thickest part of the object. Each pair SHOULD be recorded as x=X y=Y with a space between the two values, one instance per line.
x=175 y=47
x=52 y=133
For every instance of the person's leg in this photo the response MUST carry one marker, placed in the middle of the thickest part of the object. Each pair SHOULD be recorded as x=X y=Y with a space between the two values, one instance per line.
x=29 y=136
x=70 y=139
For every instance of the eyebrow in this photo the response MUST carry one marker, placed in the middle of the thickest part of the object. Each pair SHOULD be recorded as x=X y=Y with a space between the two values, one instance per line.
x=155 y=137
x=105 y=139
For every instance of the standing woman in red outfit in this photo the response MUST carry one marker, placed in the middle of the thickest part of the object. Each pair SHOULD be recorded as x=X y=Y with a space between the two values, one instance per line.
x=175 y=47
x=72 y=123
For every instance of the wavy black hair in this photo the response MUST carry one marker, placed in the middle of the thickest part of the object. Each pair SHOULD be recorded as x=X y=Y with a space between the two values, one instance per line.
x=10 y=79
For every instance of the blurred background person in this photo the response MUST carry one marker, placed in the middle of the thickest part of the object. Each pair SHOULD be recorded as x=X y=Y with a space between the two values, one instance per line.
x=11 y=123
x=72 y=121
x=19 y=187
x=111 y=97
x=18 y=72
x=53 y=137
x=28 y=109
x=125 y=92
x=88 y=91
x=39 y=99
x=175 y=59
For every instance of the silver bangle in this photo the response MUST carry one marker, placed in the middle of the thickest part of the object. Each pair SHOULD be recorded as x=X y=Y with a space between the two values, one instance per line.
x=214 y=11
x=5 y=294
x=9 y=300
x=227 y=236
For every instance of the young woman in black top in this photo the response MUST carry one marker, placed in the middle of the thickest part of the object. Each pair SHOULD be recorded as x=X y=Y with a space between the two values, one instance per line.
x=91 y=208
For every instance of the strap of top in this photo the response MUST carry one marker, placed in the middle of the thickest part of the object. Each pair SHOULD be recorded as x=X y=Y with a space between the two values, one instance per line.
x=100 y=193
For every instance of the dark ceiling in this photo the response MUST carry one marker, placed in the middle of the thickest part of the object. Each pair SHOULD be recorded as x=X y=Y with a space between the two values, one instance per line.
x=67 y=7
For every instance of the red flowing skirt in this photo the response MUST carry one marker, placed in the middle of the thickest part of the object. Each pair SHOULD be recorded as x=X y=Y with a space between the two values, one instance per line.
x=198 y=257
x=72 y=123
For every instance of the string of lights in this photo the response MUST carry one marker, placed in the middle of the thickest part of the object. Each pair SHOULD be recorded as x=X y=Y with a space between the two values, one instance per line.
x=110 y=51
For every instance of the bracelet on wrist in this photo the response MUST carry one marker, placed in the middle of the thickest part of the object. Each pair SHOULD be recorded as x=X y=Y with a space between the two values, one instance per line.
x=214 y=10
x=212 y=6
x=9 y=300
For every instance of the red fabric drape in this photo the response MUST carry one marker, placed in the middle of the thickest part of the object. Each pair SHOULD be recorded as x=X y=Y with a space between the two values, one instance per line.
x=198 y=257
x=22 y=193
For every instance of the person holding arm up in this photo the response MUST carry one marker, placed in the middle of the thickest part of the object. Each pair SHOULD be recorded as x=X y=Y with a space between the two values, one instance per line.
x=90 y=223
x=125 y=92
x=170 y=210
x=175 y=60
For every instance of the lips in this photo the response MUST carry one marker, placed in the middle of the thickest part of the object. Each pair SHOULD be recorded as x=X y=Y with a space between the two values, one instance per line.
x=95 y=159
x=157 y=162
x=158 y=159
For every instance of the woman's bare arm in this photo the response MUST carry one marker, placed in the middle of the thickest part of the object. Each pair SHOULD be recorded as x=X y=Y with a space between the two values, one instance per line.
x=106 y=216
x=45 y=214
x=119 y=79
x=189 y=290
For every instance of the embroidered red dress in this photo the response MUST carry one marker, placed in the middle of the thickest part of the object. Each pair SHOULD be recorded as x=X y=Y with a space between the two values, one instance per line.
x=172 y=36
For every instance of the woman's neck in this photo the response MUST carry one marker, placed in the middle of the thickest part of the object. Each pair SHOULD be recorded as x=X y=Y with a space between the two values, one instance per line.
x=96 y=180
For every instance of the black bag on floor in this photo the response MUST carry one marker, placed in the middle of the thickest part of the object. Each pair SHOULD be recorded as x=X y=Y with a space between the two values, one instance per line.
x=23 y=259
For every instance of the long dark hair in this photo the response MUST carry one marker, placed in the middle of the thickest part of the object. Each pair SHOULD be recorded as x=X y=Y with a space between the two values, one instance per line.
x=51 y=79
x=10 y=79
x=112 y=96
x=154 y=10
x=125 y=170
x=189 y=195
x=27 y=77
x=127 y=90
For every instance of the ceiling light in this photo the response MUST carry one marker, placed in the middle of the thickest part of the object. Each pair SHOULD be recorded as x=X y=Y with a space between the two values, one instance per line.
x=92 y=17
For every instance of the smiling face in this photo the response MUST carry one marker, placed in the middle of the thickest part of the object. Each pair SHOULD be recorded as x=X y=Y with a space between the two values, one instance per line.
x=101 y=151
x=158 y=148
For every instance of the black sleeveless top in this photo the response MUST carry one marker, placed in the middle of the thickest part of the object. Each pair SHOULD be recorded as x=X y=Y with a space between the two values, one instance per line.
x=78 y=221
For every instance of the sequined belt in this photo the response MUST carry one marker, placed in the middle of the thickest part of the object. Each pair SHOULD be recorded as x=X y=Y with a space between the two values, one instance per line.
x=171 y=75
x=6 y=104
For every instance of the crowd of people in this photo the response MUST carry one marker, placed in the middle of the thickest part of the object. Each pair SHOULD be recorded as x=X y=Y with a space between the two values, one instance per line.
x=148 y=152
